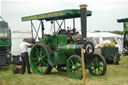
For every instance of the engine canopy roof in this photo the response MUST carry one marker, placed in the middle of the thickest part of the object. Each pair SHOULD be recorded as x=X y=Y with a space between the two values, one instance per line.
x=57 y=15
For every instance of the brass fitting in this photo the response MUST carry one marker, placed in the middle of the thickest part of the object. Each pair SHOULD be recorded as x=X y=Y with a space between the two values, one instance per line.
x=83 y=6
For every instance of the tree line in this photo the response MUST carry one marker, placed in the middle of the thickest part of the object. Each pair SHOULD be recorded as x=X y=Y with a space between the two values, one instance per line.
x=115 y=32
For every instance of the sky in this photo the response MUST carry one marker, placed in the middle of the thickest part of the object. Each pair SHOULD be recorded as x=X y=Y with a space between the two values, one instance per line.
x=104 y=12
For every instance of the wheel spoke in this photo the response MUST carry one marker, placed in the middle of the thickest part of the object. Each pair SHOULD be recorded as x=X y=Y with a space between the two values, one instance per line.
x=95 y=71
x=99 y=70
x=75 y=61
x=72 y=62
x=38 y=63
x=37 y=55
x=41 y=50
x=101 y=65
x=35 y=59
x=43 y=56
x=37 y=50
x=44 y=63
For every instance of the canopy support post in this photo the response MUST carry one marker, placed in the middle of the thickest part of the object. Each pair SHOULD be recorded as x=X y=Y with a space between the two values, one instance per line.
x=64 y=25
x=32 y=32
x=74 y=29
x=36 y=31
x=42 y=28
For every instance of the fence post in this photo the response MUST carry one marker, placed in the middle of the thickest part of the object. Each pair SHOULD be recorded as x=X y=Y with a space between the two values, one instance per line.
x=83 y=66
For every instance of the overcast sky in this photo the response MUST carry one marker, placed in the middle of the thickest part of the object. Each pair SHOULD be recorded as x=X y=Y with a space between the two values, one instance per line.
x=104 y=12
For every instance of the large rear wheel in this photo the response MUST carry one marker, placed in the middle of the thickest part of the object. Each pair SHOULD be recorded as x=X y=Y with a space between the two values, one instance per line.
x=39 y=58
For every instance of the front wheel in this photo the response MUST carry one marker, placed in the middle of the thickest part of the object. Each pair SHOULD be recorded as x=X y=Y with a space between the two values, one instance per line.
x=98 y=65
x=74 y=67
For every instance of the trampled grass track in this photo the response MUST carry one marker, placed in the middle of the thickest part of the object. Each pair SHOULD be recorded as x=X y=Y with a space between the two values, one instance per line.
x=115 y=75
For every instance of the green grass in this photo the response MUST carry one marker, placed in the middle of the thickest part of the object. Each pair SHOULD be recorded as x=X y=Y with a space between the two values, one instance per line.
x=115 y=75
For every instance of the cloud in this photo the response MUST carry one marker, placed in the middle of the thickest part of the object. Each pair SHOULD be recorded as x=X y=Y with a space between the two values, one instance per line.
x=0 y=8
x=104 y=12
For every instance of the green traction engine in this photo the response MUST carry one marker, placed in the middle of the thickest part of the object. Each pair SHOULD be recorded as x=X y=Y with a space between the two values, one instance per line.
x=62 y=51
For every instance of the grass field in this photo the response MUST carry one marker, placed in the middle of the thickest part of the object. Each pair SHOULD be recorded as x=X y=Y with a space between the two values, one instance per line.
x=115 y=75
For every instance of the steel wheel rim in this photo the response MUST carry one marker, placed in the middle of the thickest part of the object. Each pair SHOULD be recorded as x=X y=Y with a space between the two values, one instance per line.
x=38 y=59
x=97 y=66
x=74 y=68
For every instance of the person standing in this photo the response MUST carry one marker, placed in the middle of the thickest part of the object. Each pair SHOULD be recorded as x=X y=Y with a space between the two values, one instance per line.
x=24 y=55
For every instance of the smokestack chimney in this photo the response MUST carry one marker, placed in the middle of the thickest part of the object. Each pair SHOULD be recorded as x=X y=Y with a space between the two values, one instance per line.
x=83 y=10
